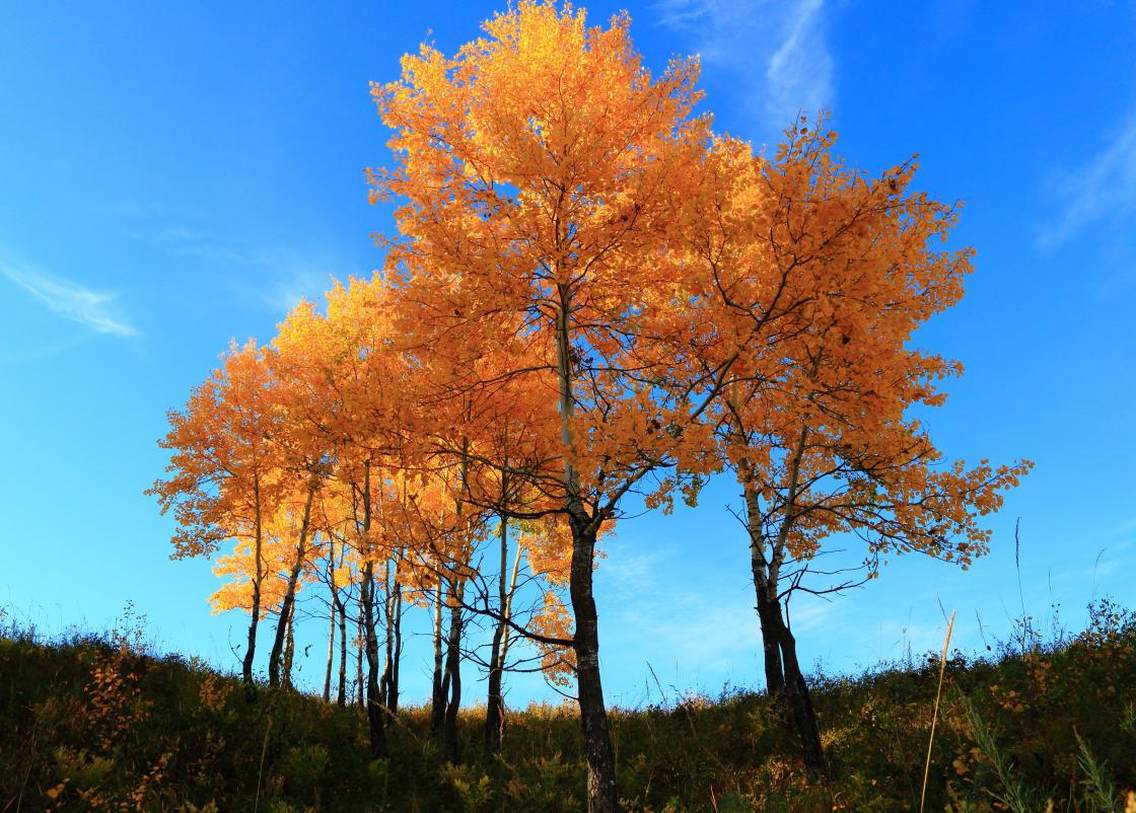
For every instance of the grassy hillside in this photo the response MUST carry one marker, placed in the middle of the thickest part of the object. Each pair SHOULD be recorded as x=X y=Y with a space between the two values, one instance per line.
x=96 y=724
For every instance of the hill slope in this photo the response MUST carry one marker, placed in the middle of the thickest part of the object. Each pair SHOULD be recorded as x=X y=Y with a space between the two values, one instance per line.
x=93 y=724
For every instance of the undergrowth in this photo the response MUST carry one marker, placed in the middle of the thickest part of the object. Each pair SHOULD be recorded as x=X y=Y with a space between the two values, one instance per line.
x=99 y=723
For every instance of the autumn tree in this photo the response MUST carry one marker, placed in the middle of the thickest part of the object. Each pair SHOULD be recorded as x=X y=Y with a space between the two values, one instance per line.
x=223 y=475
x=438 y=532
x=535 y=537
x=503 y=459
x=306 y=456
x=348 y=407
x=292 y=551
x=509 y=622
x=590 y=296
x=339 y=575
x=824 y=442
x=538 y=171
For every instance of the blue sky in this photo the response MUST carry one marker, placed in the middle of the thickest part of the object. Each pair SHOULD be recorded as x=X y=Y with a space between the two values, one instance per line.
x=176 y=175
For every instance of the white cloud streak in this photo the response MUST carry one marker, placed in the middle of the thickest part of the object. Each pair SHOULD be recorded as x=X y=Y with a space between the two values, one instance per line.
x=93 y=309
x=1104 y=187
x=776 y=48
x=275 y=277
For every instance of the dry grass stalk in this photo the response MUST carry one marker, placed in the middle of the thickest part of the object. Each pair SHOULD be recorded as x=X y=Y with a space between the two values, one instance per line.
x=935 y=713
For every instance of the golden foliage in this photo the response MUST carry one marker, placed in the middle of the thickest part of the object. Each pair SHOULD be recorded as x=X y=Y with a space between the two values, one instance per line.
x=587 y=285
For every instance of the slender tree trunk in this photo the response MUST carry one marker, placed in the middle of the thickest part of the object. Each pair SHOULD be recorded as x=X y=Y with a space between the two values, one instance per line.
x=784 y=680
x=392 y=610
x=290 y=647
x=341 y=695
x=392 y=684
x=250 y=651
x=440 y=687
x=495 y=710
x=375 y=712
x=598 y=749
x=593 y=714
x=290 y=592
x=331 y=622
x=451 y=748
x=796 y=691
x=330 y=655
x=388 y=637
x=771 y=647
x=797 y=698
x=783 y=675
x=445 y=691
x=495 y=704
x=507 y=635
x=360 y=646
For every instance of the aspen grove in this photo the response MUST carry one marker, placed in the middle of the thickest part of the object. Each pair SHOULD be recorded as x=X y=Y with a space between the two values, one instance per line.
x=591 y=299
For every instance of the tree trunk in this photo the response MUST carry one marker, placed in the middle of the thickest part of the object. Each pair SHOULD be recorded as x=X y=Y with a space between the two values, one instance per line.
x=392 y=611
x=774 y=668
x=598 y=749
x=375 y=712
x=440 y=688
x=290 y=593
x=341 y=696
x=396 y=623
x=507 y=634
x=593 y=715
x=796 y=691
x=388 y=637
x=495 y=703
x=451 y=748
x=250 y=651
x=290 y=647
x=495 y=708
x=797 y=699
x=783 y=676
x=360 y=646
x=330 y=656
x=331 y=623
x=771 y=648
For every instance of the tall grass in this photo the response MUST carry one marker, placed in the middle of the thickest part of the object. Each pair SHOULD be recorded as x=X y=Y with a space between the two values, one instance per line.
x=91 y=723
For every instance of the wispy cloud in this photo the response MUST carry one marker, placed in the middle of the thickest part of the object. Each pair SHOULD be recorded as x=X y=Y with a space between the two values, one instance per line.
x=296 y=280
x=1104 y=187
x=631 y=571
x=27 y=353
x=775 y=48
x=274 y=277
x=96 y=310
